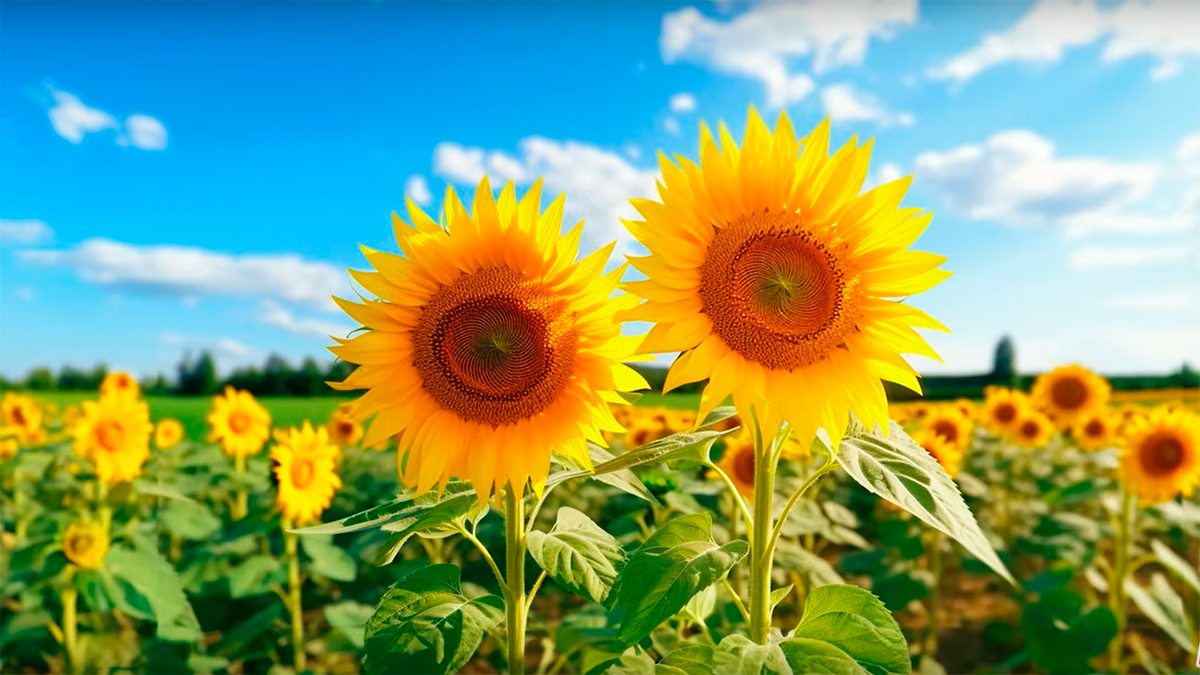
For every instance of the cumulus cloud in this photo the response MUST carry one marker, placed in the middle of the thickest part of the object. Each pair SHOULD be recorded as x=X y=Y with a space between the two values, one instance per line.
x=886 y=173
x=763 y=42
x=1105 y=257
x=145 y=132
x=416 y=188
x=683 y=102
x=26 y=232
x=1018 y=178
x=845 y=103
x=598 y=182
x=274 y=314
x=72 y=119
x=1163 y=30
x=191 y=272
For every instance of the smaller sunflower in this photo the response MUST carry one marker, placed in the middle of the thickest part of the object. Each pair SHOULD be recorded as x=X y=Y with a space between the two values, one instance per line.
x=239 y=423
x=738 y=464
x=947 y=454
x=1032 y=430
x=120 y=384
x=167 y=433
x=343 y=429
x=85 y=544
x=951 y=424
x=1069 y=393
x=641 y=432
x=1002 y=409
x=114 y=435
x=1095 y=431
x=8 y=446
x=680 y=420
x=306 y=469
x=1161 y=457
x=966 y=406
x=22 y=416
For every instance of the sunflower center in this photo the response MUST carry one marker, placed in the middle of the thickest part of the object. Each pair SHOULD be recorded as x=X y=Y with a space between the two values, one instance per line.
x=947 y=430
x=743 y=467
x=303 y=472
x=1162 y=455
x=80 y=544
x=18 y=415
x=239 y=422
x=776 y=293
x=1094 y=428
x=494 y=347
x=110 y=435
x=1069 y=393
x=345 y=428
x=1030 y=429
x=1005 y=413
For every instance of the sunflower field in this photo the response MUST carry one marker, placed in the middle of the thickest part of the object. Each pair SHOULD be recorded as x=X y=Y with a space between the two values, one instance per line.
x=497 y=499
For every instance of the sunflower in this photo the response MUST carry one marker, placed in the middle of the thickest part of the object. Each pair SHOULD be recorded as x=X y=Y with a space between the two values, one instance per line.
x=85 y=544
x=21 y=416
x=167 y=434
x=1032 y=430
x=342 y=427
x=946 y=453
x=489 y=346
x=951 y=424
x=1068 y=393
x=120 y=384
x=1096 y=430
x=8 y=445
x=738 y=464
x=1002 y=408
x=641 y=432
x=114 y=435
x=306 y=468
x=774 y=277
x=1161 y=456
x=239 y=423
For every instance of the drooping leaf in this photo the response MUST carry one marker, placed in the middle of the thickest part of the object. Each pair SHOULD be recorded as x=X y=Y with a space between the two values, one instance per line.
x=402 y=507
x=327 y=559
x=857 y=623
x=433 y=518
x=739 y=654
x=153 y=578
x=1162 y=605
x=578 y=554
x=896 y=468
x=424 y=624
x=676 y=562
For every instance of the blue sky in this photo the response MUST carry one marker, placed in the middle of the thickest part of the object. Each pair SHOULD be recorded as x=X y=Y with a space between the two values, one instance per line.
x=177 y=177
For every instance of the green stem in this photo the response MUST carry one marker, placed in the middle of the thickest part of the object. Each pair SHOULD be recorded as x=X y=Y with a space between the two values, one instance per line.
x=487 y=555
x=737 y=599
x=1122 y=541
x=935 y=594
x=514 y=601
x=241 y=503
x=761 y=543
x=295 y=607
x=70 y=622
x=828 y=467
x=733 y=491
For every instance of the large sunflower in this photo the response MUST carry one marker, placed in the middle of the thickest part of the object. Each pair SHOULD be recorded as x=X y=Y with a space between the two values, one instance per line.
x=306 y=469
x=777 y=279
x=489 y=346
x=1161 y=457
x=239 y=423
x=114 y=434
x=1068 y=393
x=22 y=417
x=1002 y=408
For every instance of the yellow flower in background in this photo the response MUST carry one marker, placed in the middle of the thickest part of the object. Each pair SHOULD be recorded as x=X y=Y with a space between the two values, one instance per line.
x=239 y=423
x=949 y=422
x=120 y=384
x=114 y=435
x=1068 y=393
x=1096 y=430
x=489 y=346
x=306 y=469
x=966 y=406
x=1161 y=457
x=1032 y=430
x=778 y=281
x=1003 y=408
x=22 y=416
x=738 y=464
x=342 y=427
x=681 y=420
x=85 y=544
x=947 y=454
x=641 y=432
x=167 y=433
x=8 y=445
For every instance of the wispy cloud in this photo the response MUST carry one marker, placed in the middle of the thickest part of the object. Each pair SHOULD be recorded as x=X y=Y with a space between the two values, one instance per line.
x=274 y=314
x=845 y=103
x=416 y=188
x=27 y=232
x=72 y=119
x=1154 y=301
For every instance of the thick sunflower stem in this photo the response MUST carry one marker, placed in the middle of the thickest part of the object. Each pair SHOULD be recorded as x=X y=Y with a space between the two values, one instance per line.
x=514 y=601
x=1122 y=541
x=295 y=608
x=70 y=623
x=762 y=544
x=241 y=500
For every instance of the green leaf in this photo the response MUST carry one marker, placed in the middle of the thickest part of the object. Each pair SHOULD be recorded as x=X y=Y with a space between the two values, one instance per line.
x=155 y=580
x=676 y=562
x=328 y=560
x=350 y=619
x=624 y=480
x=857 y=623
x=778 y=595
x=896 y=468
x=1162 y=605
x=816 y=570
x=578 y=554
x=739 y=654
x=692 y=659
x=432 y=517
x=1174 y=562
x=806 y=655
x=423 y=624
x=190 y=520
x=632 y=663
x=142 y=487
x=257 y=575
x=402 y=507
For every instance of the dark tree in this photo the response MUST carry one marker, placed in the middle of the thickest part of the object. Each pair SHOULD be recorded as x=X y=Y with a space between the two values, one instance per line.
x=1004 y=367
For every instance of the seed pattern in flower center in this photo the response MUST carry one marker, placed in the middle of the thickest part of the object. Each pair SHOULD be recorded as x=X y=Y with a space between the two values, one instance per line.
x=947 y=429
x=110 y=435
x=1069 y=393
x=1162 y=454
x=239 y=422
x=1005 y=413
x=303 y=472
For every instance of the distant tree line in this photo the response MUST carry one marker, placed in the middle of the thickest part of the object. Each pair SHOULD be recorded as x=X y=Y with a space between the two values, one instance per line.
x=198 y=377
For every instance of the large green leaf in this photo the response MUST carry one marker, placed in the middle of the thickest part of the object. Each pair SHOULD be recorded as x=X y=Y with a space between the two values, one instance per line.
x=190 y=520
x=896 y=468
x=578 y=554
x=692 y=659
x=675 y=563
x=739 y=654
x=404 y=506
x=350 y=619
x=806 y=655
x=153 y=578
x=257 y=575
x=424 y=624
x=433 y=518
x=857 y=623
x=328 y=560
x=1162 y=605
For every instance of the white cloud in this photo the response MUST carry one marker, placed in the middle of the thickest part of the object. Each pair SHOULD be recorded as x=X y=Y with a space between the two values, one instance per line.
x=845 y=103
x=274 y=314
x=886 y=173
x=145 y=132
x=416 y=188
x=762 y=42
x=191 y=272
x=1104 y=257
x=1188 y=152
x=1166 y=31
x=25 y=293
x=683 y=102
x=231 y=346
x=1170 y=300
x=598 y=182
x=73 y=120
x=1016 y=177
x=27 y=232
x=672 y=126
